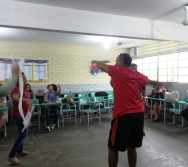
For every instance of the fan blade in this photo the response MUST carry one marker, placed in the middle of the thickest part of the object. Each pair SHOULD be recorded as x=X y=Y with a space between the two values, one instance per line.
x=168 y=13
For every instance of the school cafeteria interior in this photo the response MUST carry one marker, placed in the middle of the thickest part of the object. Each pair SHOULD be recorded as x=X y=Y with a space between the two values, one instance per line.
x=57 y=42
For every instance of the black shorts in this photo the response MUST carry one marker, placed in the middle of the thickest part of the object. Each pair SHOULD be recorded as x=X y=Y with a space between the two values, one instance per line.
x=126 y=131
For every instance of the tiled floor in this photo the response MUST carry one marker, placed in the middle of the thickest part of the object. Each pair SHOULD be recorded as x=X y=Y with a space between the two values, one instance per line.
x=81 y=146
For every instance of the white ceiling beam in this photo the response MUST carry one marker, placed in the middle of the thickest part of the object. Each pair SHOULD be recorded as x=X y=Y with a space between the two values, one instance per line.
x=20 y=14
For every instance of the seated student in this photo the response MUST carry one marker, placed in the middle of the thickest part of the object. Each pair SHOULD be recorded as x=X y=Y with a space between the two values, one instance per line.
x=156 y=107
x=148 y=103
x=50 y=97
x=32 y=93
x=2 y=113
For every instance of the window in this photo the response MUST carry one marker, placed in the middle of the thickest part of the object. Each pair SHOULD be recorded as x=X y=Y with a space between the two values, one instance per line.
x=150 y=67
x=172 y=67
x=139 y=64
x=183 y=67
x=165 y=68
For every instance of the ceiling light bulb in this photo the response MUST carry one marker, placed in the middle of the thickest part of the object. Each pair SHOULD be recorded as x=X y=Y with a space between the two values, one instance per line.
x=2 y=30
x=107 y=44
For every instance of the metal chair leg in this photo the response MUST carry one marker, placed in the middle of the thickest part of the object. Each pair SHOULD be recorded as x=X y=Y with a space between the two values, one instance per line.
x=88 y=118
x=5 y=129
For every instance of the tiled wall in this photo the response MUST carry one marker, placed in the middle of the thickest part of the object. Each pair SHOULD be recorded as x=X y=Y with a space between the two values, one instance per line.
x=77 y=88
x=180 y=87
x=67 y=65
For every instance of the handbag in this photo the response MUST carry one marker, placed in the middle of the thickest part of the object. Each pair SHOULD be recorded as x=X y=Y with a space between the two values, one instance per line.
x=174 y=95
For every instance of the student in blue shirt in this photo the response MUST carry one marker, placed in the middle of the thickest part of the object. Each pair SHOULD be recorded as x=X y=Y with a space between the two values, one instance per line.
x=52 y=96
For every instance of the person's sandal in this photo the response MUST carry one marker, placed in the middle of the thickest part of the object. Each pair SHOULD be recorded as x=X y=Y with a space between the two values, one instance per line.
x=14 y=161
x=24 y=153
x=156 y=120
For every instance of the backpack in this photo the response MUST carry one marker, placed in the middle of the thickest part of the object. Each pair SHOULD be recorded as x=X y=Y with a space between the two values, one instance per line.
x=97 y=94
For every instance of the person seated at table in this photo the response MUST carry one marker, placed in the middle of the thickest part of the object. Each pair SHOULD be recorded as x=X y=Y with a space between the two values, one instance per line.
x=3 y=103
x=52 y=96
x=31 y=93
x=148 y=102
x=157 y=107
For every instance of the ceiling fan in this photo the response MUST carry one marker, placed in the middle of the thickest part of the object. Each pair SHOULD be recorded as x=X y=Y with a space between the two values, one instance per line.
x=185 y=22
x=120 y=43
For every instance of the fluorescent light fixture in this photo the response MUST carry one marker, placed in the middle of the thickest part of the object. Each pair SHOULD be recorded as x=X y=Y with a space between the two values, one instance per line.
x=3 y=30
x=107 y=44
x=106 y=41
x=103 y=38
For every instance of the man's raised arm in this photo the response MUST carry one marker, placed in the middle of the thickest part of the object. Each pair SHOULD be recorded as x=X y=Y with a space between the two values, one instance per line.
x=102 y=66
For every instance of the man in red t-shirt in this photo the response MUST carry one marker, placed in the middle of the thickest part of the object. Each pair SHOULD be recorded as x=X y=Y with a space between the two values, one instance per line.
x=128 y=118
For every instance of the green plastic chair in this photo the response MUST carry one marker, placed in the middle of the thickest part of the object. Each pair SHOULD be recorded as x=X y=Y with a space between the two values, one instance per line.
x=110 y=96
x=65 y=95
x=92 y=94
x=83 y=95
x=107 y=110
x=80 y=95
x=68 y=112
x=91 y=113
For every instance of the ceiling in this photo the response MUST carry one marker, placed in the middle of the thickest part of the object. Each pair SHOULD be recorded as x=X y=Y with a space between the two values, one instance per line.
x=166 y=10
x=36 y=36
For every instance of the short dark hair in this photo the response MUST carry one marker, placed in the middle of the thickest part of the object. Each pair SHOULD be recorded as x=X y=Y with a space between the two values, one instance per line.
x=127 y=60
x=54 y=87
x=48 y=86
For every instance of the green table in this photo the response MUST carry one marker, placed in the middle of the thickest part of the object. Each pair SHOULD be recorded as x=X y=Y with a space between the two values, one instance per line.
x=174 y=110
x=51 y=104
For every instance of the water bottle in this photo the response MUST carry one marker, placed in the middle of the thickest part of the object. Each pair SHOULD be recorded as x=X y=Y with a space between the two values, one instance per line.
x=70 y=94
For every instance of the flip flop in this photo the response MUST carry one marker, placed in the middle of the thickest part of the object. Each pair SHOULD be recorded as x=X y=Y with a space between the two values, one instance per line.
x=14 y=161
x=24 y=153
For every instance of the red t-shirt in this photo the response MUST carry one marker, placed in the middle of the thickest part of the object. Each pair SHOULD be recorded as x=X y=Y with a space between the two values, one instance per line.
x=127 y=85
x=15 y=111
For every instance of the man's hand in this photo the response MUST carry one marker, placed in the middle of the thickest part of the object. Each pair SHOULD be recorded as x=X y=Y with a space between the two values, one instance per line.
x=101 y=65
x=15 y=68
